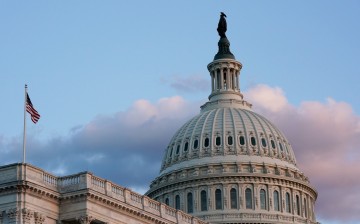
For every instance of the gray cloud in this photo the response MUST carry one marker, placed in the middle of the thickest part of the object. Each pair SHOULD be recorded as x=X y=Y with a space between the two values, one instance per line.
x=194 y=83
x=125 y=147
x=326 y=140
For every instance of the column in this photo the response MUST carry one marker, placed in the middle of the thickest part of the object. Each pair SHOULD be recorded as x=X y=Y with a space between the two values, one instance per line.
x=237 y=79
x=218 y=80
x=210 y=196
x=212 y=81
x=234 y=79
x=221 y=78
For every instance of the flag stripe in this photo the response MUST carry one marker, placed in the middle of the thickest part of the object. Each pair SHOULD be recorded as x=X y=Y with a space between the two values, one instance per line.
x=35 y=116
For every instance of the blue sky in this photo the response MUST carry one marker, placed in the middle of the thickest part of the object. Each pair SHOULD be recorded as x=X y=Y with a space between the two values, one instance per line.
x=89 y=61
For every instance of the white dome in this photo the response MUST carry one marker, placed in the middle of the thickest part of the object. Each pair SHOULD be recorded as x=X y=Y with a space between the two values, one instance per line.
x=231 y=165
x=227 y=135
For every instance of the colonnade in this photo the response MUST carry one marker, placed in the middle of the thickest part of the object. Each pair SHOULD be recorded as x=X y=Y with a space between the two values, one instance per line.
x=224 y=79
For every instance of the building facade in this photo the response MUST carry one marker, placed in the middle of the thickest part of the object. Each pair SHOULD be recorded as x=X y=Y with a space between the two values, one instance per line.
x=229 y=164
x=30 y=195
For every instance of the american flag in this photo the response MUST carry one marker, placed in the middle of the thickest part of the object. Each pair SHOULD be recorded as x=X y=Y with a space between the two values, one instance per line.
x=35 y=116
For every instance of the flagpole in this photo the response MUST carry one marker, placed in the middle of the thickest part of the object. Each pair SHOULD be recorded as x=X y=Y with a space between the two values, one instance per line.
x=24 y=137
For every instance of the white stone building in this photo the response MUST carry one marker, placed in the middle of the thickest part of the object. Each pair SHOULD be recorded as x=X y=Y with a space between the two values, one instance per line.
x=226 y=165
x=231 y=165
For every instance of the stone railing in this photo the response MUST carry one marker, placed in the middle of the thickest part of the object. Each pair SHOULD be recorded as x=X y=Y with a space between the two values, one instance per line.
x=86 y=180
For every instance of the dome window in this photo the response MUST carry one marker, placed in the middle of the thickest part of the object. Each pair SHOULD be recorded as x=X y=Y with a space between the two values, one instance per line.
x=263 y=142
x=190 y=207
x=233 y=198
x=288 y=205
x=276 y=201
x=253 y=141
x=167 y=201
x=186 y=146
x=218 y=141
x=196 y=144
x=177 y=202
x=203 y=200
x=263 y=199
x=297 y=205
x=281 y=147
x=206 y=142
x=242 y=140
x=171 y=152
x=272 y=144
x=178 y=149
x=218 y=199
x=248 y=198
x=230 y=140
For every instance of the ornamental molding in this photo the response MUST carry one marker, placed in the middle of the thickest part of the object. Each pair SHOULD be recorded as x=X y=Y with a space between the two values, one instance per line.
x=85 y=219
x=39 y=218
x=13 y=214
x=27 y=215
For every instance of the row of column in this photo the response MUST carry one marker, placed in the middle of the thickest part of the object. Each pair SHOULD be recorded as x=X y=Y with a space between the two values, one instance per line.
x=306 y=207
x=25 y=216
x=224 y=79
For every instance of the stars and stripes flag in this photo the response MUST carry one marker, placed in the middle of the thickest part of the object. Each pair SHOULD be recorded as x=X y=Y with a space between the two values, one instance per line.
x=35 y=116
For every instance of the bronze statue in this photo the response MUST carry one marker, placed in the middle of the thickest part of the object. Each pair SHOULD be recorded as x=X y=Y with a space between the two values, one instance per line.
x=222 y=27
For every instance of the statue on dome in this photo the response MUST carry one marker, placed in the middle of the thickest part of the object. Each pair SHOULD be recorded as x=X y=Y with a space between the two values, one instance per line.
x=222 y=26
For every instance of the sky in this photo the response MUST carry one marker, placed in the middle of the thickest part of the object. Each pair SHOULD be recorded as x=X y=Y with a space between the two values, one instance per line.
x=114 y=80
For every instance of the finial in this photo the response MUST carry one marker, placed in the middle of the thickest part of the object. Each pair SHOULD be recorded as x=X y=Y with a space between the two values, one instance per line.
x=222 y=26
x=224 y=44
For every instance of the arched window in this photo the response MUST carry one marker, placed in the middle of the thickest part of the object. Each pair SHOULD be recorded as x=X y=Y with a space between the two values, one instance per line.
x=190 y=208
x=167 y=201
x=253 y=141
x=171 y=152
x=263 y=142
x=230 y=140
x=287 y=199
x=206 y=142
x=218 y=141
x=281 y=147
x=178 y=149
x=233 y=198
x=218 y=200
x=242 y=140
x=196 y=144
x=297 y=204
x=186 y=146
x=305 y=208
x=203 y=199
x=273 y=144
x=276 y=201
x=263 y=199
x=177 y=202
x=248 y=198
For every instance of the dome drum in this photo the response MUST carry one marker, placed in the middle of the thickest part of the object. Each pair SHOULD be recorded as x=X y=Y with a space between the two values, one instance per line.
x=289 y=185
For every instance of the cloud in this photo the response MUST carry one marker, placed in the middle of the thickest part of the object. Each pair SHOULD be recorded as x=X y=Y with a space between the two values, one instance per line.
x=194 y=83
x=326 y=139
x=127 y=147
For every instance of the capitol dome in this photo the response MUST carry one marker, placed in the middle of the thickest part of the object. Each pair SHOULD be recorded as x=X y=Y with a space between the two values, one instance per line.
x=229 y=164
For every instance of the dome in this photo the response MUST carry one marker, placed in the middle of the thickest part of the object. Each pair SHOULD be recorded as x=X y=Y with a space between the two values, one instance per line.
x=231 y=165
x=227 y=135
